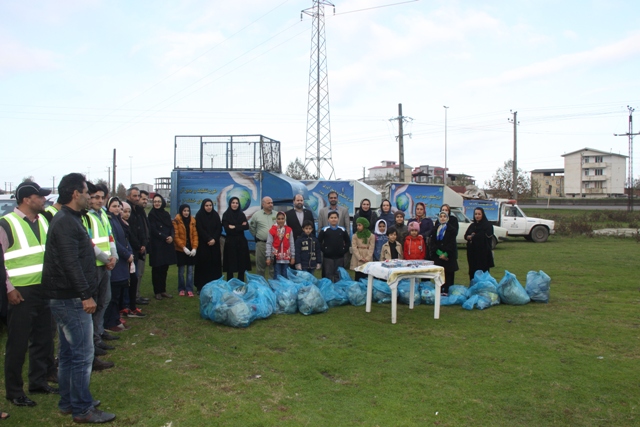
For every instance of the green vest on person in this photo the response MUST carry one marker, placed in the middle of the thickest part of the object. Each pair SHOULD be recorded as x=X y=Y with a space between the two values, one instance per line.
x=23 y=260
x=52 y=210
x=99 y=234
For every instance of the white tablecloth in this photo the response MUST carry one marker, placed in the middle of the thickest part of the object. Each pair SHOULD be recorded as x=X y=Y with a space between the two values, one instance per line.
x=397 y=270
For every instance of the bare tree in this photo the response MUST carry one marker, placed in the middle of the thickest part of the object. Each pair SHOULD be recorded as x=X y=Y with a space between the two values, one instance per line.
x=121 y=192
x=502 y=182
x=297 y=171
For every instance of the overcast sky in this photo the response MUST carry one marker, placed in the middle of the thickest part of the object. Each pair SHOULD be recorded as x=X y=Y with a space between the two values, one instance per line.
x=79 y=78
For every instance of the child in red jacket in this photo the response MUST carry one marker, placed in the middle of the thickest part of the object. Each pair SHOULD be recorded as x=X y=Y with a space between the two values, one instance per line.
x=414 y=244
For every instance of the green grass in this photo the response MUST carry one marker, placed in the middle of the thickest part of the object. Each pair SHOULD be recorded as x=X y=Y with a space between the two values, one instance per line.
x=571 y=222
x=571 y=362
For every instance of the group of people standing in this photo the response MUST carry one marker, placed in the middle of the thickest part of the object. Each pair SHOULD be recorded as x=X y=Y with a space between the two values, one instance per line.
x=383 y=235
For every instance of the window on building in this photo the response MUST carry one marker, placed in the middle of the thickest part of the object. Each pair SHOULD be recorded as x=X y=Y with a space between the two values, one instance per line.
x=547 y=182
x=557 y=191
x=557 y=182
x=598 y=159
x=598 y=184
x=599 y=172
x=585 y=159
x=586 y=172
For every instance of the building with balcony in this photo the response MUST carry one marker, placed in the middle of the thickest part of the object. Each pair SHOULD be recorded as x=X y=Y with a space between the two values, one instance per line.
x=594 y=173
x=548 y=182
x=390 y=171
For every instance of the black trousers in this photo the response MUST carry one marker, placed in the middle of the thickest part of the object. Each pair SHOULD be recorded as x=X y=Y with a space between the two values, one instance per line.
x=28 y=328
x=159 y=279
x=449 y=277
x=112 y=314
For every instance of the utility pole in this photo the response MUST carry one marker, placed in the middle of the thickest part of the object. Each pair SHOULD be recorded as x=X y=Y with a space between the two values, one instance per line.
x=445 y=144
x=109 y=178
x=53 y=185
x=401 y=119
x=131 y=171
x=630 y=134
x=515 y=153
x=113 y=181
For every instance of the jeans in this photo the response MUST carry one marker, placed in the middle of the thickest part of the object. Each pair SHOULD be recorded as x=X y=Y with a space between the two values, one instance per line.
x=188 y=286
x=75 y=328
x=280 y=269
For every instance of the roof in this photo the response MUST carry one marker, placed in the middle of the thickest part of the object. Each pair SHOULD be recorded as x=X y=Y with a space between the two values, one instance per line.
x=559 y=170
x=594 y=150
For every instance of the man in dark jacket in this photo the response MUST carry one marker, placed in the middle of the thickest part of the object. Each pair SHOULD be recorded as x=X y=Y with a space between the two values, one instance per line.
x=138 y=231
x=69 y=281
x=298 y=215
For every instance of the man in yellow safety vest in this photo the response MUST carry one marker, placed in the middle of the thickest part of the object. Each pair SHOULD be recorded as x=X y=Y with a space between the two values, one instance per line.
x=23 y=235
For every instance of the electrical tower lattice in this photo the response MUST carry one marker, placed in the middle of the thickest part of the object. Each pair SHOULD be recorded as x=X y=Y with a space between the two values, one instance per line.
x=318 y=148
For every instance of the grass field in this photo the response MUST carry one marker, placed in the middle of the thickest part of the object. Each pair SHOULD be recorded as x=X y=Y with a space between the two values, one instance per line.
x=572 y=362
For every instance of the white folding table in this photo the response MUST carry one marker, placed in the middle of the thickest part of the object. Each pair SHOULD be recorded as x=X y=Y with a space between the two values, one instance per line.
x=393 y=275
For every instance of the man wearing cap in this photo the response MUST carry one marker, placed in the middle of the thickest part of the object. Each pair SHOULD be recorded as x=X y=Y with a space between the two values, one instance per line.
x=23 y=235
x=259 y=225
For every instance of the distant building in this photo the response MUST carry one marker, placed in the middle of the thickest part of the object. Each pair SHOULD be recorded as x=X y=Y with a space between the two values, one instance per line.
x=428 y=174
x=144 y=186
x=389 y=170
x=548 y=182
x=594 y=173
x=163 y=187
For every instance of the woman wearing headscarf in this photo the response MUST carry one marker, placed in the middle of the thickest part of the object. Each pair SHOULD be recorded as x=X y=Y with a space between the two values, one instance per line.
x=120 y=273
x=385 y=212
x=236 y=248
x=426 y=224
x=443 y=249
x=479 y=238
x=186 y=244
x=365 y=211
x=162 y=252
x=208 y=259
x=362 y=245
x=130 y=298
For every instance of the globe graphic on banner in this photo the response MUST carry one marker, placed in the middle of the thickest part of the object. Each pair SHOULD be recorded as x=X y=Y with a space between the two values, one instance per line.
x=312 y=202
x=402 y=202
x=243 y=195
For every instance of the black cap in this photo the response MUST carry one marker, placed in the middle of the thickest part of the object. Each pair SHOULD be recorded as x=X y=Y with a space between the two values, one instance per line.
x=29 y=188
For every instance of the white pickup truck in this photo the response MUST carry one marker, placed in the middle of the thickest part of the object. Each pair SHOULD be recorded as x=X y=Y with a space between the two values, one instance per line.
x=507 y=214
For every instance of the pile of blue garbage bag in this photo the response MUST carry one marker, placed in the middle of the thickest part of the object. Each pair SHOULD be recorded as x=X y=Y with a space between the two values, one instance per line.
x=238 y=304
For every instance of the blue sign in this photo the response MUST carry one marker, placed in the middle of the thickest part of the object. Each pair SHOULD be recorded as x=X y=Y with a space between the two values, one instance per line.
x=491 y=208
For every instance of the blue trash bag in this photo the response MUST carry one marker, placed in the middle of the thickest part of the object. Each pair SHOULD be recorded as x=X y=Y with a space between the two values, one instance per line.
x=301 y=276
x=486 y=289
x=344 y=274
x=262 y=300
x=232 y=310
x=310 y=300
x=452 y=299
x=483 y=276
x=235 y=283
x=458 y=290
x=404 y=292
x=381 y=291
x=427 y=293
x=478 y=301
x=470 y=303
x=249 y=277
x=286 y=293
x=538 y=286
x=209 y=296
x=511 y=291
x=333 y=294
x=356 y=292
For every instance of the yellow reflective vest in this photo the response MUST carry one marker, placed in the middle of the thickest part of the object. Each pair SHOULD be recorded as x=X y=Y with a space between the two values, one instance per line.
x=99 y=232
x=23 y=260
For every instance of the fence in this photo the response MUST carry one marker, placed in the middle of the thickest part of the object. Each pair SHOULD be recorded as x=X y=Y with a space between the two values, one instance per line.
x=227 y=152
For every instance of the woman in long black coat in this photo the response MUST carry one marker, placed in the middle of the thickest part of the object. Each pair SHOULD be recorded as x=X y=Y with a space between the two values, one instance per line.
x=443 y=249
x=162 y=252
x=208 y=257
x=236 y=248
x=479 y=237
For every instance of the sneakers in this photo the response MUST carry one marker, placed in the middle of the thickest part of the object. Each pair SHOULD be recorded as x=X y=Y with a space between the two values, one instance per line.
x=119 y=328
x=136 y=313
x=124 y=312
x=95 y=416
x=190 y=294
x=181 y=293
